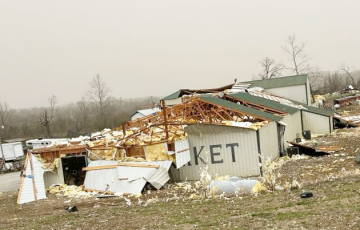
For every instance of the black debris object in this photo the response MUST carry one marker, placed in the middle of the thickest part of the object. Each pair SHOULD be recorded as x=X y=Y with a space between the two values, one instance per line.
x=306 y=194
x=71 y=209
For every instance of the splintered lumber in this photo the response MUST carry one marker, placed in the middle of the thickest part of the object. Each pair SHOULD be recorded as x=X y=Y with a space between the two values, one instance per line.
x=330 y=148
x=119 y=164
x=184 y=150
x=312 y=151
x=138 y=165
x=32 y=173
x=99 y=167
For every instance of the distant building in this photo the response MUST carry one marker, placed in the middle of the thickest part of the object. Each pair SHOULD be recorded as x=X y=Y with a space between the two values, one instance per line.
x=143 y=113
x=296 y=88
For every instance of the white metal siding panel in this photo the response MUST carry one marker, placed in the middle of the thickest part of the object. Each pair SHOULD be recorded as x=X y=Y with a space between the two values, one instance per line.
x=293 y=127
x=98 y=179
x=182 y=158
x=316 y=123
x=246 y=153
x=269 y=143
x=295 y=93
x=27 y=192
x=159 y=178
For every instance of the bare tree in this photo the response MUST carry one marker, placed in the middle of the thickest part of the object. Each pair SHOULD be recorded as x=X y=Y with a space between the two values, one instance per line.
x=269 y=69
x=333 y=82
x=47 y=116
x=350 y=75
x=99 y=96
x=297 y=54
x=80 y=115
x=315 y=78
x=6 y=114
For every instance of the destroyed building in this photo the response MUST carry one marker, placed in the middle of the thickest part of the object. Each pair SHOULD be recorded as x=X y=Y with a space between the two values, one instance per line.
x=231 y=130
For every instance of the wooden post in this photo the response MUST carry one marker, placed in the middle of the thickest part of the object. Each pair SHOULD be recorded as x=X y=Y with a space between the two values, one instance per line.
x=124 y=133
x=123 y=129
x=32 y=173
x=165 y=119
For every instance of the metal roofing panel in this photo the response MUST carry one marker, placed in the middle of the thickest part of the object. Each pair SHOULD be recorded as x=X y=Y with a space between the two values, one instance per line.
x=279 y=82
x=270 y=101
x=318 y=111
x=241 y=108
x=173 y=95
x=27 y=191
x=183 y=157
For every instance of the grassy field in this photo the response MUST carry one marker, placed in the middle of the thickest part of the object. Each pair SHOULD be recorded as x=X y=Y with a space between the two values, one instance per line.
x=335 y=205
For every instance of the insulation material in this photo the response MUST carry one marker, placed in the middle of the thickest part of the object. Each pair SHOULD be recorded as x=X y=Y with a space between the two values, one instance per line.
x=32 y=187
x=158 y=152
x=106 y=154
x=182 y=150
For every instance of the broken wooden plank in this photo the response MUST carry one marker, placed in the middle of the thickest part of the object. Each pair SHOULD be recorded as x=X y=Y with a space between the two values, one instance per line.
x=102 y=191
x=183 y=150
x=119 y=164
x=138 y=165
x=308 y=150
x=99 y=167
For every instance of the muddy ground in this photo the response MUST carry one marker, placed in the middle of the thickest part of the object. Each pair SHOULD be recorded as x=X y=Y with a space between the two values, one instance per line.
x=334 y=181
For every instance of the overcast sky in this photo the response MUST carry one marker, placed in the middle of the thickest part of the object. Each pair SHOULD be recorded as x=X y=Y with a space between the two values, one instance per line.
x=143 y=48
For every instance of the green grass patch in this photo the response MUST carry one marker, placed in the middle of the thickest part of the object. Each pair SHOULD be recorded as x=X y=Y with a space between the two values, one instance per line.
x=261 y=214
x=292 y=215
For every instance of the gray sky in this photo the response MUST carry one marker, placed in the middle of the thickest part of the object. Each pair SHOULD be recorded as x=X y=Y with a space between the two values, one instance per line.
x=144 y=48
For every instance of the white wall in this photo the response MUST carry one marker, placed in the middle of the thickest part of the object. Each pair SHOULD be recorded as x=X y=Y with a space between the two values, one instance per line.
x=269 y=141
x=234 y=150
x=316 y=123
x=173 y=101
x=296 y=93
x=293 y=127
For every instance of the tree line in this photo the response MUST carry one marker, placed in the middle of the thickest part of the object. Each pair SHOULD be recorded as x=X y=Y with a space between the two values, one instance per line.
x=96 y=110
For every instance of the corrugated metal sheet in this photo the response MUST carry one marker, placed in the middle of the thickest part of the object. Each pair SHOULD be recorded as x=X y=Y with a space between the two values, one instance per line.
x=316 y=123
x=295 y=93
x=269 y=143
x=159 y=178
x=182 y=158
x=234 y=151
x=293 y=127
x=136 y=176
x=27 y=191
x=279 y=82
x=267 y=100
x=98 y=179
